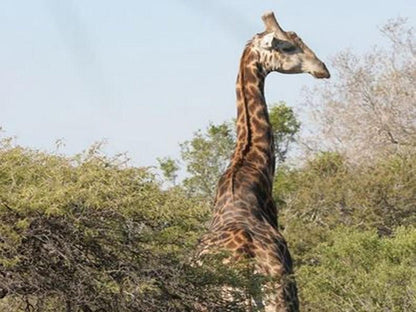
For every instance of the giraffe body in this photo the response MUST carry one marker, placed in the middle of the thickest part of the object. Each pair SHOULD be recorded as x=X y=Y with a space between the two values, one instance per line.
x=245 y=215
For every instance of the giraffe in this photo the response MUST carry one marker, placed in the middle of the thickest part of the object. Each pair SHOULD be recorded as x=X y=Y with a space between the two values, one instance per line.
x=244 y=220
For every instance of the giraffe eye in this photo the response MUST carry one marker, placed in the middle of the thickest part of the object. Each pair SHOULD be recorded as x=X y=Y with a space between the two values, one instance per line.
x=290 y=48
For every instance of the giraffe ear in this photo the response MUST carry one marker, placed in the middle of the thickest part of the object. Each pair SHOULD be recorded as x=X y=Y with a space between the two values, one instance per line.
x=268 y=41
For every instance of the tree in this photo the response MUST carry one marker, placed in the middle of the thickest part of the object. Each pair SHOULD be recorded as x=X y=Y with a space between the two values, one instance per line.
x=370 y=110
x=169 y=168
x=206 y=156
x=285 y=127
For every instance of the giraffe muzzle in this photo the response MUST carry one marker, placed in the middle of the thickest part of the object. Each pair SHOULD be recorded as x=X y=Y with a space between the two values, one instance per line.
x=323 y=73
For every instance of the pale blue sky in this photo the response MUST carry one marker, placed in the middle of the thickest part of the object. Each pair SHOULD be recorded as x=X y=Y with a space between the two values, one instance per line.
x=144 y=75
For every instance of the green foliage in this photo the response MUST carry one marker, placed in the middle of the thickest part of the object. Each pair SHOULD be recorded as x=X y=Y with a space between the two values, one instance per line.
x=169 y=168
x=206 y=156
x=328 y=192
x=285 y=127
x=361 y=271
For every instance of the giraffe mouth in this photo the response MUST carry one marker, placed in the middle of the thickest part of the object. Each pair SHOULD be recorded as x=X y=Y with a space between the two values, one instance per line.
x=321 y=75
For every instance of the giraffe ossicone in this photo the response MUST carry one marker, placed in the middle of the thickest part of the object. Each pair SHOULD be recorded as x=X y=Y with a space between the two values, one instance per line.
x=244 y=221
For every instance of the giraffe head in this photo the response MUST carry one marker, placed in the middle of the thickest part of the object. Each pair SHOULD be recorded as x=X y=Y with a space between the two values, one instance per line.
x=285 y=52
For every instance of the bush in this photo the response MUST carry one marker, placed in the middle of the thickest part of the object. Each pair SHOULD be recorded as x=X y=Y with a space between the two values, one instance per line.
x=361 y=271
x=327 y=192
x=89 y=233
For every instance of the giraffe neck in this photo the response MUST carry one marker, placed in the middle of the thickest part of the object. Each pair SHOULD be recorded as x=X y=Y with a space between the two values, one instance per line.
x=255 y=146
x=250 y=173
